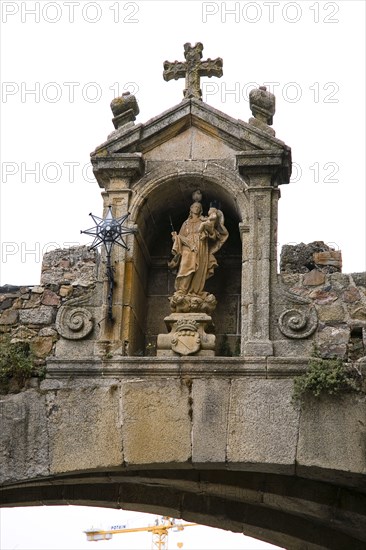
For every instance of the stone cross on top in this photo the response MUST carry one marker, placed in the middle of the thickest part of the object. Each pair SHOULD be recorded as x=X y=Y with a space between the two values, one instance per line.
x=192 y=69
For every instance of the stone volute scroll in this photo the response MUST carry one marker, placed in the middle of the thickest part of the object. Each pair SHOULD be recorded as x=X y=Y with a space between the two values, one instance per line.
x=74 y=321
x=298 y=323
x=193 y=249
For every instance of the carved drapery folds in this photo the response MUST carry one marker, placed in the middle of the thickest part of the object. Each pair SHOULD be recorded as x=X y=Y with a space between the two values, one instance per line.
x=194 y=249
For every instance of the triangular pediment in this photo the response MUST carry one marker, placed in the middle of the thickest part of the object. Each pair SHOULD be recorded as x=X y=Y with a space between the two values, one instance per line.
x=193 y=144
x=191 y=122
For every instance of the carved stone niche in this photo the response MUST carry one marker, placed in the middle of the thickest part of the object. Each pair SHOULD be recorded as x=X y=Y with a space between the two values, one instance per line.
x=186 y=336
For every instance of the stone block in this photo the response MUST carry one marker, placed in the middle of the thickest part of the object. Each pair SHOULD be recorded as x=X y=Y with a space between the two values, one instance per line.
x=97 y=440
x=23 y=437
x=258 y=348
x=331 y=341
x=77 y=265
x=9 y=317
x=329 y=258
x=359 y=278
x=158 y=308
x=331 y=314
x=351 y=295
x=43 y=315
x=30 y=301
x=48 y=331
x=226 y=280
x=156 y=421
x=263 y=423
x=74 y=349
x=323 y=297
x=299 y=258
x=50 y=298
x=329 y=351
x=290 y=279
x=158 y=281
x=37 y=289
x=314 y=278
x=6 y=303
x=210 y=411
x=9 y=289
x=191 y=143
x=226 y=315
x=293 y=348
x=66 y=290
x=333 y=335
x=359 y=314
x=339 y=281
x=332 y=433
x=41 y=346
x=23 y=333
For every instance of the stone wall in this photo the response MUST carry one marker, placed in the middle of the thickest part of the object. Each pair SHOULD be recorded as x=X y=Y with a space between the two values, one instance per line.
x=29 y=313
x=339 y=303
x=70 y=437
x=318 y=308
x=315 y=309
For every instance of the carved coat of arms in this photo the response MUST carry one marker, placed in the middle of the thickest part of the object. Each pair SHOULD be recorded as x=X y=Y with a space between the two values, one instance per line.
x=186 y=339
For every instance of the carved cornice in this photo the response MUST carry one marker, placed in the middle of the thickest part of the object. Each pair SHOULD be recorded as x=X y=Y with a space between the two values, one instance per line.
x=236 y=133
x=277 y=163
x=118 y=165
x=194 y=367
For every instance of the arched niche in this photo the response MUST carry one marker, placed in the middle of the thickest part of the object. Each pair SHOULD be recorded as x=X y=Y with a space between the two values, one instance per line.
x=158 y=207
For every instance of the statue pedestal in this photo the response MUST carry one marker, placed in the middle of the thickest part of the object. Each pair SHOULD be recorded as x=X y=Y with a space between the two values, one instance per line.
x=186 y=336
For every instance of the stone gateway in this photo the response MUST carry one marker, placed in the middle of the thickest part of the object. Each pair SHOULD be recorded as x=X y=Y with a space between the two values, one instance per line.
x=181 y=401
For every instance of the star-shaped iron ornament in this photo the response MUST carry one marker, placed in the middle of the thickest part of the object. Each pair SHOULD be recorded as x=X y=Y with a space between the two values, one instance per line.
x=109 y=231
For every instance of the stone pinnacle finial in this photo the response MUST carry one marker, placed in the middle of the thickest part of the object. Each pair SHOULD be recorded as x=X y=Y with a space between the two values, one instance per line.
x=124 y=109
x=192 y=69
x=263 y=107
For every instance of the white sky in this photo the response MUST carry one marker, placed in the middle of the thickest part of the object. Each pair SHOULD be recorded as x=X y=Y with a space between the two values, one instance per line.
x=60 y=528
x=311 y=53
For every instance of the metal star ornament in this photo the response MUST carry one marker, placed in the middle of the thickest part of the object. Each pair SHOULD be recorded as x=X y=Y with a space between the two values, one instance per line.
x=109 y=231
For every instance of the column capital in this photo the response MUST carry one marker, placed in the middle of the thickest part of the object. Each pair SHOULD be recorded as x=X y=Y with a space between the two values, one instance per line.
x=271 y=162
x=124 y=166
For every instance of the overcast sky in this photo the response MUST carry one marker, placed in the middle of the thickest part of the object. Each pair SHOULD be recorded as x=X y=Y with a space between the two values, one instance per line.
x=63 y=62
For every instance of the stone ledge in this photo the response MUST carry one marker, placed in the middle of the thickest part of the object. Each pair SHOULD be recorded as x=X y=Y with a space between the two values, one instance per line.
x=197 y=367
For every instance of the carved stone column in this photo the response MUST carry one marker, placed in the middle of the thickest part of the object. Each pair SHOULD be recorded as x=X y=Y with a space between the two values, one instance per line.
x=115 y=173
x=263 y=170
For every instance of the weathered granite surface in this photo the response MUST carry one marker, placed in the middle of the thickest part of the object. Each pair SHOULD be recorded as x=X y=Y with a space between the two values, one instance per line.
x=213 y=439
x=315 y=308
x=40 y=314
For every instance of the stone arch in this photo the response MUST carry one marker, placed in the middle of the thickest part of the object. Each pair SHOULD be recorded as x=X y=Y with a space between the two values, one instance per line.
x=160 y=202
x=227 y=184
x=285 y=510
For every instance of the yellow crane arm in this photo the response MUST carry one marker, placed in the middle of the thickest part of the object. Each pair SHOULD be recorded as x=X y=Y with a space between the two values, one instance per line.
x=155 y=529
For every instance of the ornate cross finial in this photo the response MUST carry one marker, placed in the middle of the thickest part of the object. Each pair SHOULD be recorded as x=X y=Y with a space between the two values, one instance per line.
x=192 y=69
